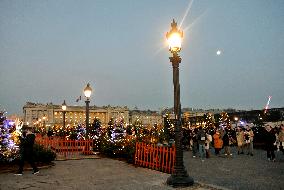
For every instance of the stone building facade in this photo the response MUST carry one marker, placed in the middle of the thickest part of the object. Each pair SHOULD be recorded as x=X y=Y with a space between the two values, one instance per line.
x=50 y=114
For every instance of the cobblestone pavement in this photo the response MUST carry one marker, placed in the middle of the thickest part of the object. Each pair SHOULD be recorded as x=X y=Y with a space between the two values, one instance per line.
x=239 y=171
x=95 y=174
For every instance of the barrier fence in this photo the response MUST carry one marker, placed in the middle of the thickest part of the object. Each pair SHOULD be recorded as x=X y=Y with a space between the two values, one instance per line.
x=155 y=157
x=66 y=149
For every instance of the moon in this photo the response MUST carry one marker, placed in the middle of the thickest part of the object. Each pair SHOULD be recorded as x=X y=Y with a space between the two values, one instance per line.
x=218 y=52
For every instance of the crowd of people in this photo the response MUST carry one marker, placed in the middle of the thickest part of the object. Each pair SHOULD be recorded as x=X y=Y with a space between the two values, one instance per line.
x=203 y=140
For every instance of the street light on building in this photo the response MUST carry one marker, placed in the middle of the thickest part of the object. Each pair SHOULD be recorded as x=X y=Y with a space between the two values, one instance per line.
x=87 y=93
x=180 y=177
x=64 y=107
x=44 y=119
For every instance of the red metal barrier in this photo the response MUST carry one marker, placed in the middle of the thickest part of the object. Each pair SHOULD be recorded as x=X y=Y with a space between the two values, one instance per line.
x=66 y=149
x=155 y=157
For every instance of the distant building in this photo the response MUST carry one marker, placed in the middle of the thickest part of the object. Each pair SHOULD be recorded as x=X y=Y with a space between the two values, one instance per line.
x=147 y=118
x=51 y=114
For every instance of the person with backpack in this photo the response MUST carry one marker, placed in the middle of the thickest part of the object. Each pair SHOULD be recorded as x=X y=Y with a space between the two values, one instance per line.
x=201 y=136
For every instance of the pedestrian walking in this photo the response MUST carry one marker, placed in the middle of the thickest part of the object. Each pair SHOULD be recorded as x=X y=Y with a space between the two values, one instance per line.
x=26 y=150
x=270 y=139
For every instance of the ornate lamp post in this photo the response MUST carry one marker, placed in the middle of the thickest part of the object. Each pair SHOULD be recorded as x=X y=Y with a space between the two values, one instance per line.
x=87 y=93
x=179 y=178
x=64 y=107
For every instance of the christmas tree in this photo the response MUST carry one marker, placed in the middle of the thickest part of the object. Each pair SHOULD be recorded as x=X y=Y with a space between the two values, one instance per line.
x=110 y=127
x=8 y=148
x=96 y=132
x=118 y=132
x=209 y=121
x=224 y=121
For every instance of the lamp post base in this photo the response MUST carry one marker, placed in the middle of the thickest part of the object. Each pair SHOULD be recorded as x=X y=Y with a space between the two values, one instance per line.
x=180 y=180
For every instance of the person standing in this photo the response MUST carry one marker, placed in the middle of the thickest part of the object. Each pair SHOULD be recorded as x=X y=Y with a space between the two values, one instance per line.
x=281 y=137
x=226 y=143
x=194 y=142
x=240 y=140
x=207 y=144
x=26 y=150
x=201 y=136
x=250 y=142
x=218 y=142
x=270 y=139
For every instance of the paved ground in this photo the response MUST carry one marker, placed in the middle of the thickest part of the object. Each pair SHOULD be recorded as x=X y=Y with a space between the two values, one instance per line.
x=240 y=172
x=98 y=174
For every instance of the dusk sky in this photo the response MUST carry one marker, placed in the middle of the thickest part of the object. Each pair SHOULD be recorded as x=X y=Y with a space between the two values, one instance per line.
x=50 y=50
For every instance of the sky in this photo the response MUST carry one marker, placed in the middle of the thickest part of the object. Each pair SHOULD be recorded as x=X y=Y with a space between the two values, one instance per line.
x=50 y=50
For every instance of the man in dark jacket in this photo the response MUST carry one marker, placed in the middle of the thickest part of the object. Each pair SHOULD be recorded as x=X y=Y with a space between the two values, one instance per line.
x=270 y=139
x=201 y=137
x=26 y=150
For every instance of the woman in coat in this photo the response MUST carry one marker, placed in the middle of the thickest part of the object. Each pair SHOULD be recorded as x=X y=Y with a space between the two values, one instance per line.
x=240 y=140
x=218 y=142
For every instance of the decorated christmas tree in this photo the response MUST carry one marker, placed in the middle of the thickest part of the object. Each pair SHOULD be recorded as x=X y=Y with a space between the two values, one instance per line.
x=96 y=132
x=110 y=127
x=8 y=148
x=224 y=121
x=209 y=121
x=138 y=129
x=118 y=132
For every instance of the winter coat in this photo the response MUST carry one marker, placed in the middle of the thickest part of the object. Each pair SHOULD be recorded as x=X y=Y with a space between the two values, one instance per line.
x=201 y=136
x=218 y=142
x=208 y=141
x=270 y=137
x=281 y=136
x=26 y=144
x=226 y=139
x=240 y=138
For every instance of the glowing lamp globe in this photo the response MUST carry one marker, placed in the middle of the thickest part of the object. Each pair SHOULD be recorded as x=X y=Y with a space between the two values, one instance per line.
x=64 y=106
x=174 y=38
x=88 y=91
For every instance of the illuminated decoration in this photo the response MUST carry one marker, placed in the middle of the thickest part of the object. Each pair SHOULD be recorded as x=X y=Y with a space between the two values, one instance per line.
x=267 y=104
x=8 y=148
x=209 y=121
x=95 y=133
x=224 y=121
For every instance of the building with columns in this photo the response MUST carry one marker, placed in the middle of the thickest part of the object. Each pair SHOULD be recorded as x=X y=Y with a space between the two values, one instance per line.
x=52 y=115
x=147 y=118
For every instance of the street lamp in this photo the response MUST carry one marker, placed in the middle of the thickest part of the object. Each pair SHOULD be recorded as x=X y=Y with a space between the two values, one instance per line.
x=44 y=118
x=64 y=107
x=180 y=177
x=87 y=93
x=236 y=120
